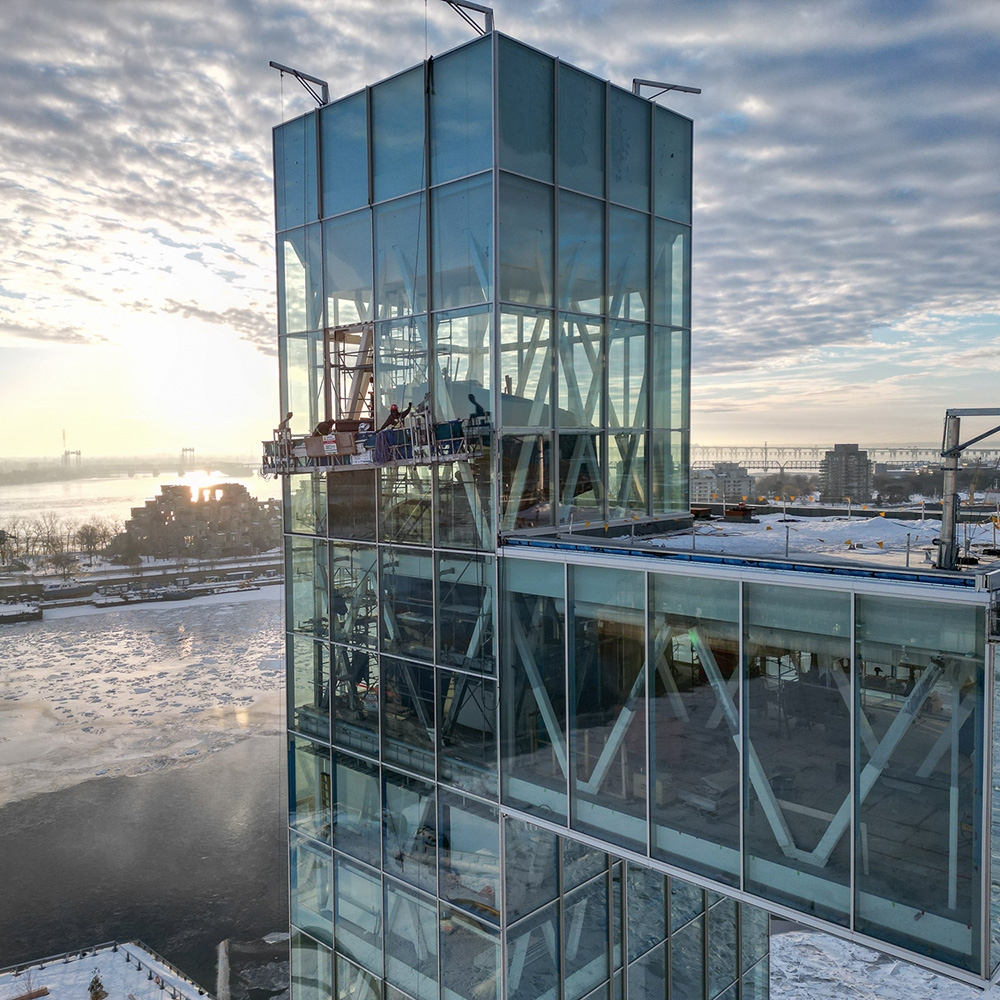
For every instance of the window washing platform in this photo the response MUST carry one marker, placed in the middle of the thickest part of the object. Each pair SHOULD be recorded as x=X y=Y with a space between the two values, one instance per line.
x=353 y=445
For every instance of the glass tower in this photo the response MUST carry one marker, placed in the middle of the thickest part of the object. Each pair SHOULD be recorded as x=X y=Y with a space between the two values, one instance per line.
x=524 y=761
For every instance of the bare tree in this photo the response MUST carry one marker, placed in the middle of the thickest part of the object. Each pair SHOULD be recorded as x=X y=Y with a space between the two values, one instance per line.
x=90 y=538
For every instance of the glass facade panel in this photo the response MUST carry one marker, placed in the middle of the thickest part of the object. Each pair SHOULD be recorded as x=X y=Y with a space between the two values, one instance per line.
x=302 y=394
x=608 y=705
x=531 y=868
x=311 y=968
x=581 y=367
x=470 y=957
x=647 y=910
x=920 y=757
x=407 y=603
x=533 y=955
x=309 y=798
x=304 y=503
x=526 y=484
x=408 y=718
x=356 y=699
x=467 y=728
x=295 y=172
x=310 y=888
x=352 y=504
x=668 y=471
x=300 y=280
x=401 y=357
x=354 y=983
x=668 y=389
x=647 y=976
x=343 y=129
x=469 y=840
x=462 y=353
x=756 y=983
x=354 y=594
x=307 y=587
x=525 y=244
x=586 y=956
x=465 y=504
x=672 y=135
x=358 y=913
x=628 y=264
x=409 y=830
x=397 y=109
x=627 y=492
x=465 y=603
x=580 y=863
x=627 y=394
x=581 y=490
x=722 y=951
x=628 y=149
x=533 y=687
x=581 y=253
x=461 y=109
x=581 y=131
x=671 y=274
x=347 y=268
x=401 y=257
x=755 y=930
x=798 y=724
x=308 y=686
x=687 y=962
x=406 y=504
x=357 y=810
x=411 y=941
x=524 y=106
x=525 y=368
x=462 y=231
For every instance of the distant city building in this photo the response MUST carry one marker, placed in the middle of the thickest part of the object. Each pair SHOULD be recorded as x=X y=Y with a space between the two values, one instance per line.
x=213 y=522
x=724 y=481
x=846 y=472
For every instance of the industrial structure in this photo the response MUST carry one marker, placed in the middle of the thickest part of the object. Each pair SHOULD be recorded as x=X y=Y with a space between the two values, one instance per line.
x=531 y=755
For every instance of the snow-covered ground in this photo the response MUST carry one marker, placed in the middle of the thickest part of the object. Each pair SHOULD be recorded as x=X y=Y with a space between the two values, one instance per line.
x=91 y=692
x=881 y=540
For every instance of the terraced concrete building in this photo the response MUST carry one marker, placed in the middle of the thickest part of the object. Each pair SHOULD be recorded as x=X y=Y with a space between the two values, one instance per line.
x=530 y=755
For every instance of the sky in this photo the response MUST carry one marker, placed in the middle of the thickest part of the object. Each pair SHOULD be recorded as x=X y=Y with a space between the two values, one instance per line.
x=846 y=275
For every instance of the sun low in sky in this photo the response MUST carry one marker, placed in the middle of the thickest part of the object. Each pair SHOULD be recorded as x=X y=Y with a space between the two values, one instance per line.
x=846 y=273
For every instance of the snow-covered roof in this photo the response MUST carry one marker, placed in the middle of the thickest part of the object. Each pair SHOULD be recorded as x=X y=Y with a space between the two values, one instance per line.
x=126 y=971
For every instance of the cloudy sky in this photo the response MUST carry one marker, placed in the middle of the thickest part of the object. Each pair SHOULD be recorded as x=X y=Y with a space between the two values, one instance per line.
x=847 y=196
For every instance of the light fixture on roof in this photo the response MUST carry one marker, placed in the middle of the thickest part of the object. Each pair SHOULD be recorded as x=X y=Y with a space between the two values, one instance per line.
x=323 y=97
x=638 y=84
x=457 y=5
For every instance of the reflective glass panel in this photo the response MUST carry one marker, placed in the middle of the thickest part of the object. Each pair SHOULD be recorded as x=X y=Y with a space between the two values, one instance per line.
x=305 y=503
x=410 y=830
x=647 y=909
x=628 y=149
x=580 y=863
x=357 y=811
x=798 y=703
x=581 y=253
x=627 y=392
x=533 y=956
x=628 y=264
x=405 y=504
x=308 y=686
x=300 y=280
x=358 y=917
x=668 y=471
x=525 y=245
x=694 y=700
x=581 y=131
x=462 y=352
x=353 y=983
x=526 y=485
x=671 y=273
x=408 y=603
x=467 y=723
x=687 y=901
x=343 y=131
x=524 y=101
x=307 y=591
x=920 y=683
x=470 y=957
x=295 y=172
x=757 y=982
x=401 y=378
x=301 y=361
x=672 y=164
x=531 y=867
x=465 y=504
x=668 y=383
x=525 y=368
x=401 y=257
x=461 y=110
x=356 y=699
x=408 y=718
x=347 y=262
x=607 y=710
x=586 y=955
x=462 y=242
x=687 y=962
x=580 y=366
x=352 y=503
x=309 y=801
x=581 y=486
x=310 y=884
x=755 y=932
x=311 y=968
x=469 y=840
x=465 y=602
x=354 y=594
x=398 y=134
x=411 y=941
x=721 y=937
x=534 y=686
x=647 y=977
x=627 y=492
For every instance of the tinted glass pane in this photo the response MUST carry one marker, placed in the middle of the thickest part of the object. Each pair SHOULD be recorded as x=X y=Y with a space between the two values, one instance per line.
x=526 y=470
x=309 y=686
x=465 y=508
x=672 y=165
x=410 y=830
x=408 y=603
x=580 y=366
x=626 y=474
x=462 y=217
x=525 y=368
x=671 y=274
x=647 y=978
x=533 y=957
x=627 y=394
x=587 y=964
x=668 y=381
x=354 y=594
x=358 y=891
x=310 y=887
x=411 y=942
x=354 y=982
x=722 y=969
x=628 y=149
x=687 y=963
x=301 y=361
x=470 y=855
x=307 y=595
x=461 y=112
x=581 y=131
x=470 y=957
x=309 y=800
x=465 y=602
x=525 y=110
x=401 y=257
x=580 y=863
x=525 y=241
x=344 y=136
x=668 y=471
x=628 y=264
x=755 y=929
x=295 y=172
x=462 y=351
x=581 y=484
x=300 y=280
x=356 y=809
x=647 y=909
x=408 y=719
x=398 y=134
x=352 y=504
x=347 y=258
x=400 y=370
x=311 y=968
x=355 y=699
x=406 y=504
x=581 y=253
x=305 y=503
x=531 y=868
x=467 y=720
